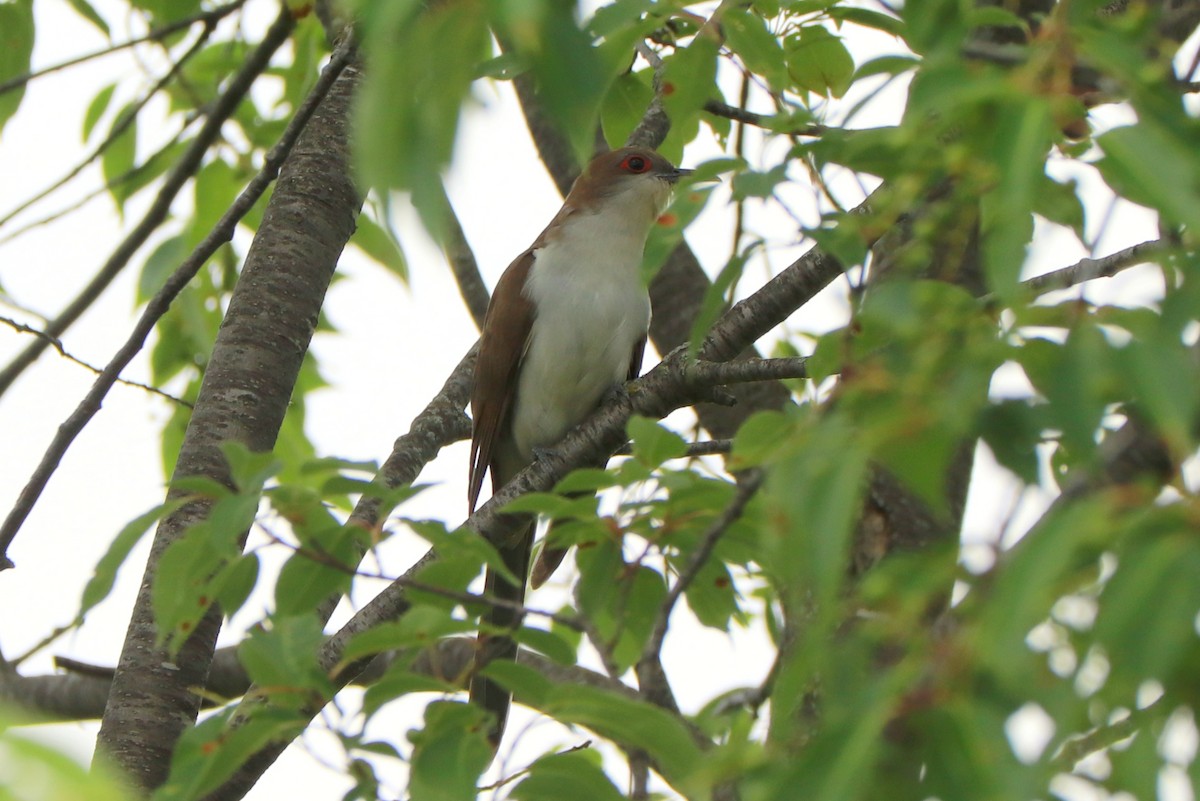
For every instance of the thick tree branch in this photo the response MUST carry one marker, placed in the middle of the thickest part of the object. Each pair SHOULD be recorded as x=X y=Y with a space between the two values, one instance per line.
x=243 y=398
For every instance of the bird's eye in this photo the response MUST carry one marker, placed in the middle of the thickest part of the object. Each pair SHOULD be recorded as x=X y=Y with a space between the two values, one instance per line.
x=635 y=164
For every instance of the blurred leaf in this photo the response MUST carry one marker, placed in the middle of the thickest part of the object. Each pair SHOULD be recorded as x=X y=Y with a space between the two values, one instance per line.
x=16 y=48
x=37 y=770
x=421 y=627
x=88 y=12
x=818 y=61
x=1022 y=136
x=572 y=74
x=118 y=158
x=159 y=265
x=404 y=140
x=281 y=659
x=1060 y=203
x=449 y=753
x=574 y=775
x=624 y=104
x=209 y=752
x=96 y=109
x=549 y=643
x=1155 y=170
x=689 y=79
x=632 y=723
x=216 y=186
x=1147 y=614
x=867 y=18
x=378 y=243
x=653 y=443
x=747 y=35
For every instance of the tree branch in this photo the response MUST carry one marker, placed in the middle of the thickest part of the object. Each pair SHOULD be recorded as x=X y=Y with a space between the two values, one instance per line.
x=243 y=398
x=1090 y=269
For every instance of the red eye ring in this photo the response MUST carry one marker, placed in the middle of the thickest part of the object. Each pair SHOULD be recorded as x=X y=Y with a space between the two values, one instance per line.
x=635 y=164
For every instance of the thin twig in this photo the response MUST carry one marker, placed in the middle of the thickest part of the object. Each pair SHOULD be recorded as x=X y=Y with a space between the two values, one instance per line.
x=221 y=233
x=58 y=346
x=210 y=17
x=120 y=126
x=174 y=181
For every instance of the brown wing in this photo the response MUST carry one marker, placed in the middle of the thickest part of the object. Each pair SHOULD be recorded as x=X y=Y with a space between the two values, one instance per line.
x=500 y=349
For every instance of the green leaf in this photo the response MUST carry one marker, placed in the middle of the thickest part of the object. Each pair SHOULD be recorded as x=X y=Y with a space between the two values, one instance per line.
x=571 y=73
x=868 y=18
x=88 y=12
x=96 y=109
x=1060 y=203
x=405 y=139
x=118 y=158
x=159 y=265
x=281 y=659
x=653 y=443
x=549 y=643
x=217 y=185
x=379 y=244
x=1148 y=608
x=630 y=722
x=449 y=753
x=624 y=104
x=211 y=751
x=818 y=61
x=689 y=79
x=398 y=682
x=748 y=37
x=16 y=48
x=1023 y=135
x=105 y=573
x=1145 y=165
x=421 y=627
x=574 y=775
x=37 y=770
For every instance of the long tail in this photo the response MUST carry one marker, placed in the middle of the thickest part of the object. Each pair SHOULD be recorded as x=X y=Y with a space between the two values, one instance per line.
x=485 y=692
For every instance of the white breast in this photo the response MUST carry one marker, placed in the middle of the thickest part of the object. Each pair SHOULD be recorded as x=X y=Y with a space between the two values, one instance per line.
x=591 y=309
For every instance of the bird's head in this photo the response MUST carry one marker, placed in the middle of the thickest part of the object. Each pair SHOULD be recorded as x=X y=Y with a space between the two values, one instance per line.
x=635 y=176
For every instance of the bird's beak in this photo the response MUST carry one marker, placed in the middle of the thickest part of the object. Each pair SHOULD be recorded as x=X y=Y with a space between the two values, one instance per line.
x=674 y=176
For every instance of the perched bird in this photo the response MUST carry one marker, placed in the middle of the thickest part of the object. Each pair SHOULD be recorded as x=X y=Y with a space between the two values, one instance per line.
x=566 y=323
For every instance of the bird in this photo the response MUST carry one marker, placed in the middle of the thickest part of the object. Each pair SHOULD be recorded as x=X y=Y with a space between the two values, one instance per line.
x=567 y=323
